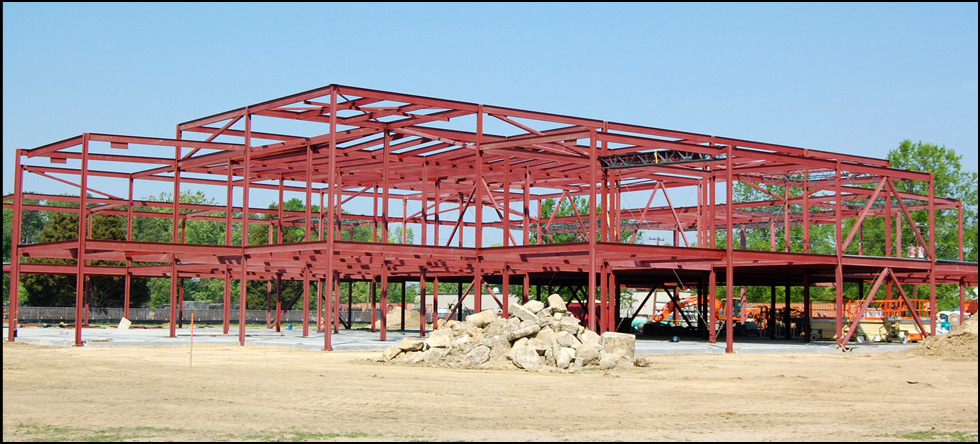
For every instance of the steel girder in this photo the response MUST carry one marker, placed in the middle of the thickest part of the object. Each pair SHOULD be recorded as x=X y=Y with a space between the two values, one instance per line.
x=368 y=145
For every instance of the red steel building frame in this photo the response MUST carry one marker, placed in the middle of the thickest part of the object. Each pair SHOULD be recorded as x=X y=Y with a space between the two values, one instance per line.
x=384 y=147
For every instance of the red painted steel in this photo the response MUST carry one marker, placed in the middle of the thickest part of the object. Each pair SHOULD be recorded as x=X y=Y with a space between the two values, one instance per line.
x=396 y=146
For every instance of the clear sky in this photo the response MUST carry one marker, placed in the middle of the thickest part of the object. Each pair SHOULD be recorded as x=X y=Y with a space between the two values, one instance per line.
x=852 y=78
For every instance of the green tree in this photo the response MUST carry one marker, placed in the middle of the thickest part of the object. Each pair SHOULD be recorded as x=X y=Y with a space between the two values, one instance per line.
x=160 y=229
x=59 y=290
x=568 y=232
x=951 y=181
x=32 y=222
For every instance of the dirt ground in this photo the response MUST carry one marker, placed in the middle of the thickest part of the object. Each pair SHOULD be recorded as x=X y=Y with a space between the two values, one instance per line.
x=262 y=394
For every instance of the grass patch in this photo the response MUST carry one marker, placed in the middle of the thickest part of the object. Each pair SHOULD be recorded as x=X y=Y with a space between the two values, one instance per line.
x=41 y=433
x=939 y=436
x=298 y=436
x=301 y=436
x=35 y=433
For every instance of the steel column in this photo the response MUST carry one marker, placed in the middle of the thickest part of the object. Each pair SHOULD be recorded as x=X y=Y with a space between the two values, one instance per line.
x=807 y=331
x=226 y=309
x=526 y=188
x=82 y=235
x=306 y=299
x=593 y=246
x=506 y=201
x=331 y=199
x=806 y=213
x=320 y=320
x=435 y=301
x=401 y=327
x=335 y=305
x=962 y=304
x=422 y=310
x=424 y=197
x=786 y=221
x=16 y=238
x=505 y=292
x=603 y=299
x=478 y=201
x=384 y=302
x=712 y=306
x=243 y=291
x=788 y=311
x=329 y=280
x=933 y=309
x=173 y=298
x=839 y=238
x=729 y=253
x=129 y=237
x=279 y=312
x=226 y=306
x=374 y=302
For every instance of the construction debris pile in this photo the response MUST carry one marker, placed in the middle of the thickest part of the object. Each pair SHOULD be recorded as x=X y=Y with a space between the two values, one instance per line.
x=534 y=337
x=959 y=344
x=394 y=319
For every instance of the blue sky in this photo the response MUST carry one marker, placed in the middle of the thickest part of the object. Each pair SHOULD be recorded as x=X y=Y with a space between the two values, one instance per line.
x=854 y=78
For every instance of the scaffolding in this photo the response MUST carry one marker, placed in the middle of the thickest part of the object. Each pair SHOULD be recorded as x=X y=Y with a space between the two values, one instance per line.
x=355 y=148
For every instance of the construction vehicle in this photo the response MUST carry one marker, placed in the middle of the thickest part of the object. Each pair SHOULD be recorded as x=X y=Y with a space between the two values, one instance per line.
x=887 y=320
x=970 y=307
x=685 y=310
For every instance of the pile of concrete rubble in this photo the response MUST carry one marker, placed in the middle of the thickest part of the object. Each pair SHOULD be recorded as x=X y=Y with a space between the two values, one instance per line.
x=534 y=337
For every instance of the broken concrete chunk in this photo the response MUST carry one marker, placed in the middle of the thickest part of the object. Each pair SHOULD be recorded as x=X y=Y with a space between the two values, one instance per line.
x=411 y=357
x=435 y=355
x=523 y=314
x=464 y=328
x=547 y=335
x=557 y=303
x=499 y=348
x=588 y=353
x=566 y=339
x=410 y=345
x=391 y=352
x=440 y=338
x=534 y=306
x=526 y=358
x=590 y=337
x=569 y=324
x=481 y=319
x=495 y=328
x=611 y=361
x=550 y=358
x=545 y=319
x=565 y=357
x=539 y=346
x=524 y=331
x=477 y=356
x=619 y=344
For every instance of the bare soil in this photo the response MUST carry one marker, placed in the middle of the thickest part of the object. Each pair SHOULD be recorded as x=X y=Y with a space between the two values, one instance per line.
x=263 y=394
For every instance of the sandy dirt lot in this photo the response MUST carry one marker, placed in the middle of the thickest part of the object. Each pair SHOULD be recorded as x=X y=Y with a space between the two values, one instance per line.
x=262 y=394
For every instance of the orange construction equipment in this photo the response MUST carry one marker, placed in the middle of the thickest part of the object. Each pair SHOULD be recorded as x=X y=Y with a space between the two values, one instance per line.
x=751 y=311
x=671 y=306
